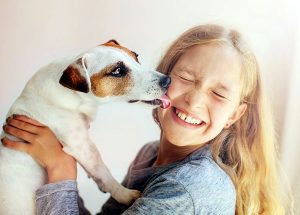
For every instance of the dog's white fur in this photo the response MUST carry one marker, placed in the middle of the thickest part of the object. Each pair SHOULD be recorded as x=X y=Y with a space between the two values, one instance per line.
x=68 y=114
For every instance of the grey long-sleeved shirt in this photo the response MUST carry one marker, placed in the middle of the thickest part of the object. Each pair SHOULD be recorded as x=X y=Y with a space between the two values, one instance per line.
x=194 y=185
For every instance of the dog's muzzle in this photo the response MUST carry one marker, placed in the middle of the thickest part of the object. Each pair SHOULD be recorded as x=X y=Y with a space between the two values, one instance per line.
x=164 y=101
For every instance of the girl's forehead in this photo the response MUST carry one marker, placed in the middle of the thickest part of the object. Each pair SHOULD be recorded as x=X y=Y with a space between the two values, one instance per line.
x=210 y=59
x=219 y=64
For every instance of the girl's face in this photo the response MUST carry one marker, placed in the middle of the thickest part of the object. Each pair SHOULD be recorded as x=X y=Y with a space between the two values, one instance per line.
x=204 y=93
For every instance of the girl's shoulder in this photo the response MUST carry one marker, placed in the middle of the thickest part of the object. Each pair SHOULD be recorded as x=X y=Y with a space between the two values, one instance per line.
x=202 y=183
x=200 y=173
x=200 y=168
x=209 y=187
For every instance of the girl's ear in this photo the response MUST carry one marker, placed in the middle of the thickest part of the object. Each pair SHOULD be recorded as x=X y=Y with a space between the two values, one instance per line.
x=236 y=115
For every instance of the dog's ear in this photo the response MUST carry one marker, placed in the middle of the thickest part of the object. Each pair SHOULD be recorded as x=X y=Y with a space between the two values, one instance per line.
x=75 y=76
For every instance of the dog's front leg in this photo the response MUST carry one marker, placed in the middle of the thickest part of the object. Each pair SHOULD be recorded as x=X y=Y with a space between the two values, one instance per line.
x=90 y=159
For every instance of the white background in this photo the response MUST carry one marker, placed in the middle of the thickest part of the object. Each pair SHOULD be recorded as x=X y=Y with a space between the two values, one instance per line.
x=33 y=33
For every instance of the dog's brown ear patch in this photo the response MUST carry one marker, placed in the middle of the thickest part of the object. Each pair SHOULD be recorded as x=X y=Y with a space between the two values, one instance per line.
x=115 y=44
x=72 y=79
x=113 y=41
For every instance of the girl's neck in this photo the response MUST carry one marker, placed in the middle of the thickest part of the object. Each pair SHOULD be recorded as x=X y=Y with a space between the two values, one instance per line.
x=169 y=153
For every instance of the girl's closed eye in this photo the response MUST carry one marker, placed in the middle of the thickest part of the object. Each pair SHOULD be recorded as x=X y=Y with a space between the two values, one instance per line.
x=184 y=78
x=220 y=95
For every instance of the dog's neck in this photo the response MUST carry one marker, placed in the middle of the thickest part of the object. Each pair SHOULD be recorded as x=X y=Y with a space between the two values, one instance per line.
x=89 y=110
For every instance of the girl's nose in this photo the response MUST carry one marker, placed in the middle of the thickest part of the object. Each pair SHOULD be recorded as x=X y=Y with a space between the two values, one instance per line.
x=195 y=98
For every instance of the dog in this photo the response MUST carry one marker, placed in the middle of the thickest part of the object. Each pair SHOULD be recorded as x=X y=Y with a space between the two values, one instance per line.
x=65 y=95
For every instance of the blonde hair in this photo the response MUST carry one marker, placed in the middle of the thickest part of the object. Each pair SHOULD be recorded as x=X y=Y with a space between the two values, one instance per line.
x=247 y=150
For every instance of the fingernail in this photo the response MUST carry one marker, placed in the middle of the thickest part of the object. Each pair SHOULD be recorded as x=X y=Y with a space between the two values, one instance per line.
x=15 y=115
x=7 y=119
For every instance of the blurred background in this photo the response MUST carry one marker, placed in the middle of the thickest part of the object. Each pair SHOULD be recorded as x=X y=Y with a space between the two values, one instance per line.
x=33 y=33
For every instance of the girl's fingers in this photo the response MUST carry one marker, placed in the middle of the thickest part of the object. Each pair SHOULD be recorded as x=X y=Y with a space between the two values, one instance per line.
x=23 y=125
x=27 y=119
x=19 y=146
x=24 y=135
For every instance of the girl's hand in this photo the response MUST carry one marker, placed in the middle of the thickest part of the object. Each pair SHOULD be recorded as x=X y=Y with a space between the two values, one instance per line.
x=41 y=143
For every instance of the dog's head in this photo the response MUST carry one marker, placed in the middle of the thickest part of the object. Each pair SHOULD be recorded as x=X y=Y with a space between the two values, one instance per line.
x=111 y=72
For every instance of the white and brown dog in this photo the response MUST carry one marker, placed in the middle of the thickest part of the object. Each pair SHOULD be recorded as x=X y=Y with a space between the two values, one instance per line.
x=65 y=95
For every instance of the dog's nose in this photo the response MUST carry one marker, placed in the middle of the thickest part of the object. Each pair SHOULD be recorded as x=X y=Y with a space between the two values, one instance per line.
x=165 y=82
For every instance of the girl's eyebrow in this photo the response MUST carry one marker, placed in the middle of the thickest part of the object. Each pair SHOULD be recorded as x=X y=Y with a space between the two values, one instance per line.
x=183 y=68
x=223 y=87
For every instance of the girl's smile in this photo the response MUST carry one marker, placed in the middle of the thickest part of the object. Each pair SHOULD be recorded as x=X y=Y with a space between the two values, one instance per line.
x=186 y=119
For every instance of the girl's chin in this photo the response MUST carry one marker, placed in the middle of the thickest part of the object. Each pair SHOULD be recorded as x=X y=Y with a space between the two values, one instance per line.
x=180 y=140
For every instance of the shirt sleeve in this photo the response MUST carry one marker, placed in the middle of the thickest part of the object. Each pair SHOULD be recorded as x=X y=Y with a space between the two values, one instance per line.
x=59 y=198
x=164 y=197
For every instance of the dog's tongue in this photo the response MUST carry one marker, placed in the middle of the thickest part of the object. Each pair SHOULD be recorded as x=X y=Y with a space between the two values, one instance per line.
x=166 y=102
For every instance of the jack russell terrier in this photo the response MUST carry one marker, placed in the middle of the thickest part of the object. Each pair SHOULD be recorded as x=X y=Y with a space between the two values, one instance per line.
x=65 y=95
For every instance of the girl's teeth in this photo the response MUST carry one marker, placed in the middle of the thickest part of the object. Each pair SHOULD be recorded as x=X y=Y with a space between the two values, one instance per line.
x=186 y=118
x=183 y=116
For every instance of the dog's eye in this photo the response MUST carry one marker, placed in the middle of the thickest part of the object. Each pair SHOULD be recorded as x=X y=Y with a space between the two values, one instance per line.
x=118 y=72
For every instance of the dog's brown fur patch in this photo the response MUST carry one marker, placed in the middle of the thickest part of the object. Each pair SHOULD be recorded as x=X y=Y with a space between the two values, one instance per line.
x=115 y=44
x=104 y=85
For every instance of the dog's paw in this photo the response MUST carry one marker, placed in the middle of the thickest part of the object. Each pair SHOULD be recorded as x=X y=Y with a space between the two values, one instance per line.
x=127 y=196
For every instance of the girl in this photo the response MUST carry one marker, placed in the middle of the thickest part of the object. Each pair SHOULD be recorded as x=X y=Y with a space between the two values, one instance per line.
x=216 y=154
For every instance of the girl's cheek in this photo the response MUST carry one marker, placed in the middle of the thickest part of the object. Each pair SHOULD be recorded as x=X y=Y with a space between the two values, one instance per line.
x=219 y=113
x=176 y=89
x=171 y=88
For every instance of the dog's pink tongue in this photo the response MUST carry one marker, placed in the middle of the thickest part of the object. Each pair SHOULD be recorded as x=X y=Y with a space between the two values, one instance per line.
x=166 y=102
